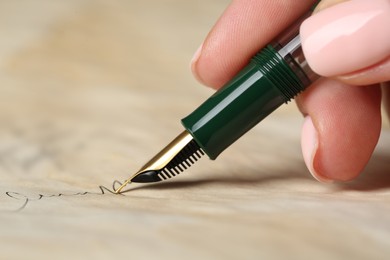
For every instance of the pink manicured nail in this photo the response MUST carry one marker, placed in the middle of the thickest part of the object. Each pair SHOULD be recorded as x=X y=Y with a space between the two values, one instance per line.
x=194 y=60
x=347 y=37
x=309 y=145
x=196 y=55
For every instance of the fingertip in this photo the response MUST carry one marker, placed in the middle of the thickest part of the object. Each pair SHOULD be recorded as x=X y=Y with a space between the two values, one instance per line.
x=194 y=65
x=244 y=28
x=309 y=144
x=208 y=67
x=341 y=130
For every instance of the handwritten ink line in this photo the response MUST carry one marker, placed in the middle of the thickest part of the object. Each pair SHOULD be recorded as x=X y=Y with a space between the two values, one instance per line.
x=28 y=199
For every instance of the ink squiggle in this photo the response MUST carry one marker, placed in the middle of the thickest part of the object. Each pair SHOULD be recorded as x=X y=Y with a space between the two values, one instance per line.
x=27 y=200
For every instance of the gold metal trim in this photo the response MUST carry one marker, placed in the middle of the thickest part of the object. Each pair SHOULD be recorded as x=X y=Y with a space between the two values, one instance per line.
x=118 y=191
x=160 y=160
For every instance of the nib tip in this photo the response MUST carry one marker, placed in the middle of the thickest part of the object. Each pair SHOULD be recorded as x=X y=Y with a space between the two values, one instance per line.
x=119 y=190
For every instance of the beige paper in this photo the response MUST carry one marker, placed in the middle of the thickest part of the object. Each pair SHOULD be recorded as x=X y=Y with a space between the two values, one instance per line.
x=90 y=90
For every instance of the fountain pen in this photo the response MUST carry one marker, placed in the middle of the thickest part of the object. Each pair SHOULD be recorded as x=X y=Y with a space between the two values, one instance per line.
x=274 y=76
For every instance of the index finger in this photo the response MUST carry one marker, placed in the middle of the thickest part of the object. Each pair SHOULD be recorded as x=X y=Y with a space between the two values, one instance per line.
x=244 y=28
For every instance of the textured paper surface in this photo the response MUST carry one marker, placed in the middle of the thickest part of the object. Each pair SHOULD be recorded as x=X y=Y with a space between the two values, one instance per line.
x=90 y=90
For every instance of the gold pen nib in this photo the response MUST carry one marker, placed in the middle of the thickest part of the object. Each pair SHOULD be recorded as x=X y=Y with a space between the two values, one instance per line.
x=118 y=191
x=177 y=156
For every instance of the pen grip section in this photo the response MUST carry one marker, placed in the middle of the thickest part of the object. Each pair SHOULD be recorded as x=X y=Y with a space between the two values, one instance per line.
x=256 y=91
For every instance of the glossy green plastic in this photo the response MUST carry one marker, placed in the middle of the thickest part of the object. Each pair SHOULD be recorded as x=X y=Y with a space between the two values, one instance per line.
x=260 y=88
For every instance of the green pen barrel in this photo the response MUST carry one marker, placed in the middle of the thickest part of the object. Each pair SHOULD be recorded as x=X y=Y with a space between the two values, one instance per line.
x=261 y=87
x=274 y=76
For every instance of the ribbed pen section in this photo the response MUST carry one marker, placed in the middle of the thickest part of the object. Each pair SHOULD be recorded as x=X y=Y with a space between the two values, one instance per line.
x=184 y=159
x=276 y=70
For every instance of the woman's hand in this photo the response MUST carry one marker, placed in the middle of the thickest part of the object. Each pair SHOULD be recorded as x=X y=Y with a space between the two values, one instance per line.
x=347 y=42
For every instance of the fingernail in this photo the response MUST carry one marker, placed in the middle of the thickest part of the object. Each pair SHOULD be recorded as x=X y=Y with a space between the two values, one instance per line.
x=196 y=54
x=347 y=37
x=194 y=62
x=309 y=145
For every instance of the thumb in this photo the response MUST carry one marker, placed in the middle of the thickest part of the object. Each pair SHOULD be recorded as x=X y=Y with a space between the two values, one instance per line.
x=349 y=40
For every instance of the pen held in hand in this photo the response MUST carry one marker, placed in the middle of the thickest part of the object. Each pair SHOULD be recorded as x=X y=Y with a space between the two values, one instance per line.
x=274 y=76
